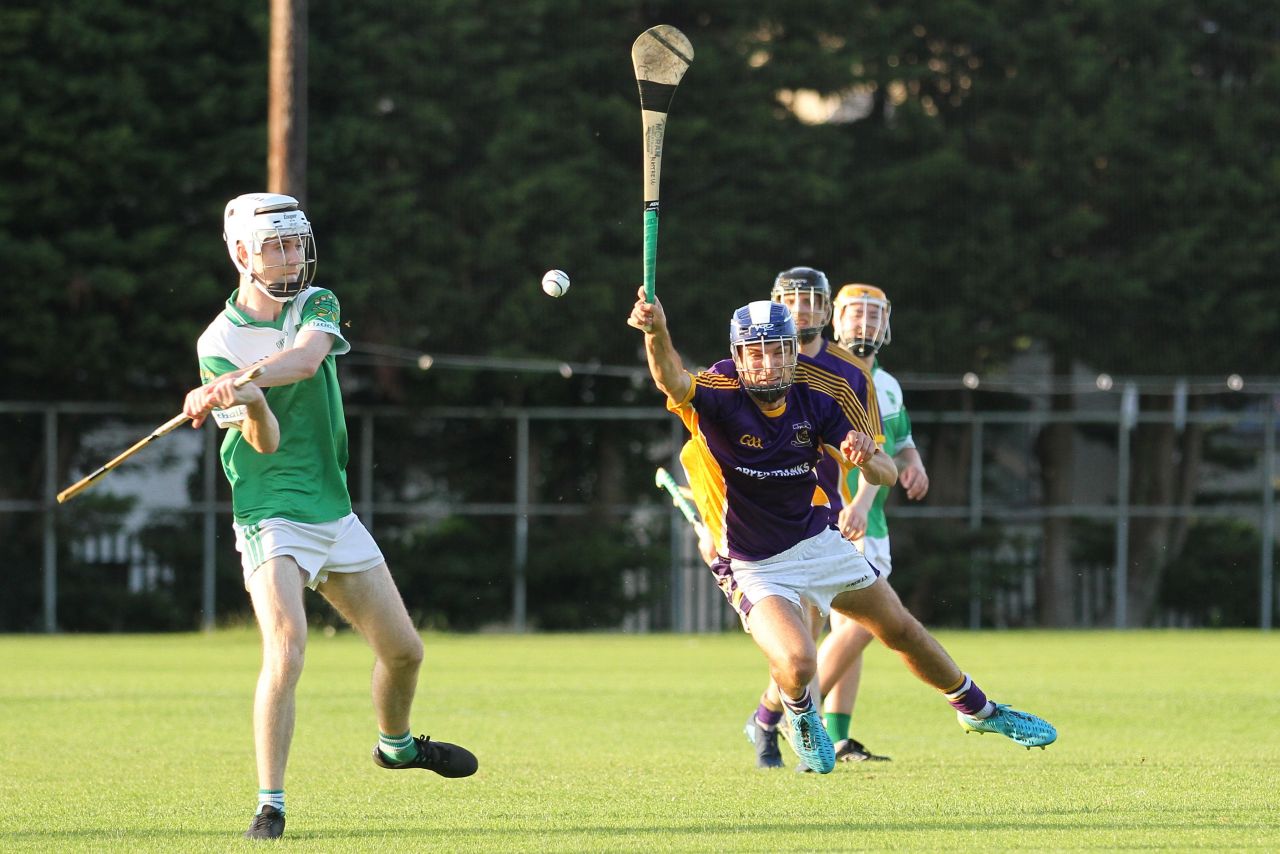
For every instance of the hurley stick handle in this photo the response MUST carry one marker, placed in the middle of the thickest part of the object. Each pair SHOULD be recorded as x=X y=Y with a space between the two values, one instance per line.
x=167 y=427
x=663 y=478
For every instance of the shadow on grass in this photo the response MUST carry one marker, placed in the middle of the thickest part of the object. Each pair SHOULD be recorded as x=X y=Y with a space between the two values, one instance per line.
x=1066 y=820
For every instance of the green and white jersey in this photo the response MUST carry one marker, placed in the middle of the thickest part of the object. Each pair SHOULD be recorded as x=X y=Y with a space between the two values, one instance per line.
x=305 y=480
x=897 y=436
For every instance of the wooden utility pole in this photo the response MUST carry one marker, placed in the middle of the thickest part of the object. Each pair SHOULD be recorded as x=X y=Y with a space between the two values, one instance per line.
x=287 y=100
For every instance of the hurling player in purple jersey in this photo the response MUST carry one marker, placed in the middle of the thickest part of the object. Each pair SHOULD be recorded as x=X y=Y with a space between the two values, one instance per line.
x=806 y=292
x=764 y=419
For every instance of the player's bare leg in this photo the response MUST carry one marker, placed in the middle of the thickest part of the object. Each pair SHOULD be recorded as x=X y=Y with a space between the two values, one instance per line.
x=816 y=622
x=840 y=660
x=879 y=609
x=785 y=637
x=276 y=591
x=372 y=604
x=778 y=627
x=770 y=698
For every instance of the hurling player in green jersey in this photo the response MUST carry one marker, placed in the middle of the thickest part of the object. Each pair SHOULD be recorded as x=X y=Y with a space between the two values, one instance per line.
x=285 y=456
x=862 y=326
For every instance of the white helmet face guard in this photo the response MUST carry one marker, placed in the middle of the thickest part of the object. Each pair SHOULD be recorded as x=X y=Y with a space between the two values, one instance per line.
x=806 y=303
x=286 y=261
x=278 y=242
x=862 y=324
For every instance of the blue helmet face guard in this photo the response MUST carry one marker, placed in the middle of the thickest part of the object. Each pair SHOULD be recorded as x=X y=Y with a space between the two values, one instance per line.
x=765 y=349
x=807 y=293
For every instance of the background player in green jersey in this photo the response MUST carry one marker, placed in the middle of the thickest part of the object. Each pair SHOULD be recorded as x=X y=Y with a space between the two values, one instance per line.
x=862 y=325
x=285 y=456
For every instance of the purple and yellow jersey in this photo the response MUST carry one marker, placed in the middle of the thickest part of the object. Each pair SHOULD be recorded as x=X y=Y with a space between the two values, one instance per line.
x=754 y=475
x=833 y=478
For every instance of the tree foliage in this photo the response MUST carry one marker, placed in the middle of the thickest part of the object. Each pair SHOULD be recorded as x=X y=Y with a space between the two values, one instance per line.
x=1098 y=177
x=1095 y=179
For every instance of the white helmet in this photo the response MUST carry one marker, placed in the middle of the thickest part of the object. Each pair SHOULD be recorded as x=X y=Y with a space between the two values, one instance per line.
x=255 y=219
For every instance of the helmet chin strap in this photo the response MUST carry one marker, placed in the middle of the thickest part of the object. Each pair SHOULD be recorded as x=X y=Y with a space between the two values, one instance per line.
x=863 y=350
x=773 y=395
x=262 y=287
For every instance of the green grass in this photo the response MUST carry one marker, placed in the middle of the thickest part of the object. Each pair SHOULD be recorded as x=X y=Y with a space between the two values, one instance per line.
x=611 y=742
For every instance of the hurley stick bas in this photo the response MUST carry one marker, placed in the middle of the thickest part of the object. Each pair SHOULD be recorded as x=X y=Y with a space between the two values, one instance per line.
x=176 y=421
x=660 y=56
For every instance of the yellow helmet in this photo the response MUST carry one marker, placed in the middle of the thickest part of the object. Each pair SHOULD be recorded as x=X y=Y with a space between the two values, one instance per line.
x=862 y=318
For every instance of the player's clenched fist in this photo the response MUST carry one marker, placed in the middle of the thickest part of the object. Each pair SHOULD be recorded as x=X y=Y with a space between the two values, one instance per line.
x=857 y=448
x=646 y=316
x=222 y=393
x=852 y=522
x=914 y=480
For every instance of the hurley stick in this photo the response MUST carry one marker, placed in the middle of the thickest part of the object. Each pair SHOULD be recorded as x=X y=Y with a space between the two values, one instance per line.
x=663 y=478
x=660 y=56
x=176 y=421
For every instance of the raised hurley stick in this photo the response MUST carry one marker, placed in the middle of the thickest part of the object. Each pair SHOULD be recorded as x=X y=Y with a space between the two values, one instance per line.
x=660 y=56
x=176 y=421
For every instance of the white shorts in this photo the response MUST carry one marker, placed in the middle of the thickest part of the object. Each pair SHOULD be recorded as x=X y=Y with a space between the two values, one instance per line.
x=876 y=551
x=343 y=545
x=813 y=571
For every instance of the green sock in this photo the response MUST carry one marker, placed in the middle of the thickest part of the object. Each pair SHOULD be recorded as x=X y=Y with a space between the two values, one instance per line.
x=837 y=725
x=397 y=748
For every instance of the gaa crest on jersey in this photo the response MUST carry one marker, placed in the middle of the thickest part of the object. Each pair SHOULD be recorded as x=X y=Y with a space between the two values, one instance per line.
x=803 y=437
x=750 y=441
x=325 y=308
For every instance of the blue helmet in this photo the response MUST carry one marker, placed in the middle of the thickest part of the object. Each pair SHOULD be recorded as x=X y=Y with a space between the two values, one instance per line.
x=765 y=349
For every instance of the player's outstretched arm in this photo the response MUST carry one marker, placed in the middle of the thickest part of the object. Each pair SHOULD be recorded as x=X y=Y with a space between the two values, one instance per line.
x=299 y=362
x=665 y=364
x=862 y=451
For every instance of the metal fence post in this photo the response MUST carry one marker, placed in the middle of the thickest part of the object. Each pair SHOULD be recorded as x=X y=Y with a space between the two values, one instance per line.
x=518 y=592
x=1266 y=564
x=1128 y=417
x=209 y=519
x=975 y=522
x=50 y=520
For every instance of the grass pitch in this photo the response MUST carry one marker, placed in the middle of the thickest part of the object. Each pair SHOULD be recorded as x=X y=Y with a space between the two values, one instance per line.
x=1168 y=740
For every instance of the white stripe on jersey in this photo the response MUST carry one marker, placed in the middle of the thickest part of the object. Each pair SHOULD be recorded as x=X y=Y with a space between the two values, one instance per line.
x=242 y=345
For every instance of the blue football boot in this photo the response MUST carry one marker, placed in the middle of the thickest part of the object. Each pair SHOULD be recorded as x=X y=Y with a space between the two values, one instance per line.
x=810 y=741
x=1022 y=727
